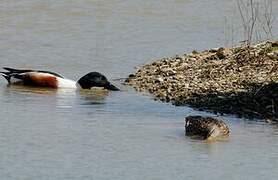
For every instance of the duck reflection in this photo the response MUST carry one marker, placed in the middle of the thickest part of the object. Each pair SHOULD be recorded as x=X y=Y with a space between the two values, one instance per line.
x=19 y=89
x=61 y=98
x=93 y=96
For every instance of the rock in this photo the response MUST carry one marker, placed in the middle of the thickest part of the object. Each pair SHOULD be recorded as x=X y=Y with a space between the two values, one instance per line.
x=131 y=76
x=272 y=55
x=161 y=94
x=220 y=53
x=158 y=80
x=205 y=127
x=275 y=44
x=195 y=52
x=169 y=71
x=213 y=50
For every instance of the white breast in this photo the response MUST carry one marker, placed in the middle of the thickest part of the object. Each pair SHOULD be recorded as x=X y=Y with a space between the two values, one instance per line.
x=66 y=83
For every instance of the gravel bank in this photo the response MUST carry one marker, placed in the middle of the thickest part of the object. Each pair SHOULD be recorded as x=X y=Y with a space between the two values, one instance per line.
x=239 y=80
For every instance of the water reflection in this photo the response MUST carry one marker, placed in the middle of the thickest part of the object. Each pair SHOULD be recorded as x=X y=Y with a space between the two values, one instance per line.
x=63 y=98
x=19 y=89
x=92 y=97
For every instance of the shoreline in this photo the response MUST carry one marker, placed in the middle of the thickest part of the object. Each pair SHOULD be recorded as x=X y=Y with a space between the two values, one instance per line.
x=241 y=81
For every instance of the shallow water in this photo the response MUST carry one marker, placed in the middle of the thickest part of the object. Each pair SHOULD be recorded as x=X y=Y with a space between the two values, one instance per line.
x=66 y=134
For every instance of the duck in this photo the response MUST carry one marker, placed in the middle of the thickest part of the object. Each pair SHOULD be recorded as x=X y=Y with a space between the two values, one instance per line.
x=206 y=128
x=40 y=78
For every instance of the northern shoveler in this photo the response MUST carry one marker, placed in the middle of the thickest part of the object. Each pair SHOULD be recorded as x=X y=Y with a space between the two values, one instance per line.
x=50 y=79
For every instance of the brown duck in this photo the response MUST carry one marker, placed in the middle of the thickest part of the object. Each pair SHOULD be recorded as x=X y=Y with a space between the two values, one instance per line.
x=205 y=127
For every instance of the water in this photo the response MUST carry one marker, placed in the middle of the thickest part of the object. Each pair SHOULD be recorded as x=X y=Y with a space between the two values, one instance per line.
x=63 y=134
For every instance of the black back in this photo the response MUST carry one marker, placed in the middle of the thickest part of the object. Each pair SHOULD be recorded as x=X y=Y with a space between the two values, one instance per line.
x=18 y=71
x=95 y=79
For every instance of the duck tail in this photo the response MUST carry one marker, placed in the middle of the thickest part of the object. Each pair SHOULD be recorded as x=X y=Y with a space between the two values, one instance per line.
x=13 y=70
x=6 y=75
x=9 y=73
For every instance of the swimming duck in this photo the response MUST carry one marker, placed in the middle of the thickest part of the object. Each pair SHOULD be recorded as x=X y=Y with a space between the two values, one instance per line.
x=53 y=80
x=205 y=127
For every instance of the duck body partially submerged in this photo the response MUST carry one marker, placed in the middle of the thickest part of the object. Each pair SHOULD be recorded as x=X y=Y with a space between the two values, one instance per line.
x=39 y=78
x=205 y=127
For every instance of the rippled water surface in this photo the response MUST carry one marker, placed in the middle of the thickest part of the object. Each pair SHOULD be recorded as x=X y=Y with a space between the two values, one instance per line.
x=66 y=134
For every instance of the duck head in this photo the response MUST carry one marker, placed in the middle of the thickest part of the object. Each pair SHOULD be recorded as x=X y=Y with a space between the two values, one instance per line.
x=96 y=79
x=205 y=127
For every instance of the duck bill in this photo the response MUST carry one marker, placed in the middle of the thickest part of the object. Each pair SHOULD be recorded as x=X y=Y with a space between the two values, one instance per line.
x=112 y=87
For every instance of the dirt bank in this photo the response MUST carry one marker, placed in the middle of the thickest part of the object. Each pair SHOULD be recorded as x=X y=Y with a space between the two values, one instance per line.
x=242 y=81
